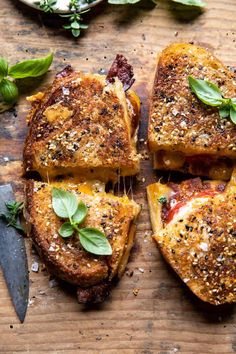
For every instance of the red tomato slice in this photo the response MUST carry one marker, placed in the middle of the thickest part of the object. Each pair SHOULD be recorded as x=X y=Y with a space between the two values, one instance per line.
x=179 y=205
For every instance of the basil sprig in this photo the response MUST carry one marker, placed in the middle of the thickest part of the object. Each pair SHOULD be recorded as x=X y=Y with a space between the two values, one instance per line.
x=11 y=215
x=210 y=94
x=66 y=206
x=21 y=70
x=46 y=5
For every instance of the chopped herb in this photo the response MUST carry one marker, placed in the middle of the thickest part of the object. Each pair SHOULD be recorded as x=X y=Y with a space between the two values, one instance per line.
x=66 y=206
x=46 y=5
x=162 y=200
x=75 y=23
x=14 y=209
x=75 y=7
x=210 y=94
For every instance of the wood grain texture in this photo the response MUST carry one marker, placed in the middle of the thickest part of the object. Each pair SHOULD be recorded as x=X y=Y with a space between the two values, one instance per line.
x=164 y=317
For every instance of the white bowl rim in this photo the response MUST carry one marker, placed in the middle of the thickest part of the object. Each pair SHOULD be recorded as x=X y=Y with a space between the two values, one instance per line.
x=62 y=5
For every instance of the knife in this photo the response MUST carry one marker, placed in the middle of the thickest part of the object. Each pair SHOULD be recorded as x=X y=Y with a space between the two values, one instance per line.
x=13 y=259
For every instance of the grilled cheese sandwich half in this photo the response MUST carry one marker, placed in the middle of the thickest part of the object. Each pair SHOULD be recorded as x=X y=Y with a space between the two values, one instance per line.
x=84 y=125
x=65 y=258
x=185 y=134
x=194 y=225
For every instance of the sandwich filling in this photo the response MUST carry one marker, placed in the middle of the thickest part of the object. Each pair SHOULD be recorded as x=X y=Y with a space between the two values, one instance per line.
x=194 y=226
x=185 y=134
x=85 y=125
x=64 y=257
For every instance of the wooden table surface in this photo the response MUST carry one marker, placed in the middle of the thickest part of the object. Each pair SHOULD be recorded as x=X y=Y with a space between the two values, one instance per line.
x=164 y=317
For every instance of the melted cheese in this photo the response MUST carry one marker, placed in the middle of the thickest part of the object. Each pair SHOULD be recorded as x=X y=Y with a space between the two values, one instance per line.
x=188 y=208
x=154 y=192
x=37 y=97
x=175 y=161
x=57 y=112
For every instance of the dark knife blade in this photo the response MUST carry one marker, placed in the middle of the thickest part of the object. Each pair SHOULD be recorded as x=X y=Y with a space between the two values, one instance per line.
x=13 y=259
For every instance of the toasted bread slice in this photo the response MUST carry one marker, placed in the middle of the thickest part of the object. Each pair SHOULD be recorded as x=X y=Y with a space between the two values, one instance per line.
x=194 y=226
x=65 y=258
x=185 y=134
x=83 y=126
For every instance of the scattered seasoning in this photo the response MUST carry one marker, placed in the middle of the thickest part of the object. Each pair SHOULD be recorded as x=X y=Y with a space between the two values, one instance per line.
x=129 y=273
x=141 y=270
x=35 y=267
x=42 y=292
x=199 y=119
x=53 y=283
x=135 y=291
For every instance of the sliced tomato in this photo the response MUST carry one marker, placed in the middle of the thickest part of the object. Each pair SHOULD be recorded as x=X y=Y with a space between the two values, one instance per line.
x=179 y=205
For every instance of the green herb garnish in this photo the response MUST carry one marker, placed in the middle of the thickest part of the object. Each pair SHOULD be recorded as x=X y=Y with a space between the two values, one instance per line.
x=14 y=209
x=27 y=68
x=162 y=200
x=75 y=20
x=198 y=3
x=46 y=5
x=66 y=206
x=211 y=95
x=75 y=24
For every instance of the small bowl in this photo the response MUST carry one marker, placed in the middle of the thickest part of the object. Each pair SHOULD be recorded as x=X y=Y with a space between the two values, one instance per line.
x=62 y=6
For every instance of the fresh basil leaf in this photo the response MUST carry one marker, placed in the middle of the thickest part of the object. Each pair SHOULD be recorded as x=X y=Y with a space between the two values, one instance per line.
x=206 y=91
x=80 y=213
x=31 y=68
x=224 y=112
x=232 y=103
x=94 y=241
x=66 y=229
x=9 y=91
x=3 y=68
x=198 y=3
x=233 y=115
x=64 y=203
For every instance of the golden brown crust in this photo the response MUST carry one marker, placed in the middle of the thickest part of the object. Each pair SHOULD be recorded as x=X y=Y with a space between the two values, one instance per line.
x=179 y=122
x=81 y=124
x=199 y=241
x=65 y=257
